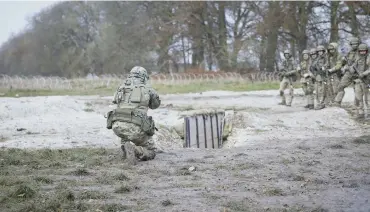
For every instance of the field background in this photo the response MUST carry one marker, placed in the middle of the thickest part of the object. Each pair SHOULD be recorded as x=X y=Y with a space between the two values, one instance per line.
x=164 y=83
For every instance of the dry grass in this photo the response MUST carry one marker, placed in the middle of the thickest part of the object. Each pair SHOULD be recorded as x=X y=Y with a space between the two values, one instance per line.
x=161 y=88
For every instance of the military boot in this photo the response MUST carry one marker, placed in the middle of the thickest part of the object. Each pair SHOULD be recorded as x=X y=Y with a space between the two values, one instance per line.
x=144 y=154
x=360 y=116
x=130 y=153
x=149 y=156
x=307 y=106
x=320 y=106
x=282 y=103
x=336 y=104
x=311 y=107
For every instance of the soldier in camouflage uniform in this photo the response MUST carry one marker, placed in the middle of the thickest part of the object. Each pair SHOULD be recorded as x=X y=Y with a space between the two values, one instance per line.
x=346 y=80
x=335 y=63
x=313 y=61
x=287 y=77
x=319 y=70
x=307 y=79
x=360 y=71
x=130 y=121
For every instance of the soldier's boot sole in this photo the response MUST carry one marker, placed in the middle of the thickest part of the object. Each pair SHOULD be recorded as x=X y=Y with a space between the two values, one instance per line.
x=320 y=107
x=336 y=104
x=150 y=156
x=130 y=154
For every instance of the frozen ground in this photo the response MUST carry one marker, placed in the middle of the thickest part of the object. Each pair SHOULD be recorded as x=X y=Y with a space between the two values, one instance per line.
x=286 y=158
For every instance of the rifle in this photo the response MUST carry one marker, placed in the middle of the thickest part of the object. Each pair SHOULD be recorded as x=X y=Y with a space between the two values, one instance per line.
x=355 y=72
x=281 y=74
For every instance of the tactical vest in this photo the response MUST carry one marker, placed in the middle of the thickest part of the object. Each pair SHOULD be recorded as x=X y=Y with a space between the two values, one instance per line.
x=332 y=62
x=351 y=57
x=321 y=61
x=288 y=64
x=133 y=100
x=312 y=66
x=305 y=67
x=361 y=64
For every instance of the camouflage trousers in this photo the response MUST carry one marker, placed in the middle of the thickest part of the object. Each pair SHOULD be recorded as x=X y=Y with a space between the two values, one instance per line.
x=344 y=82
x=144 y=148
x=361 y=92
x=333 y=88
x=308 y=87
x=321 y=92
x=286 y=83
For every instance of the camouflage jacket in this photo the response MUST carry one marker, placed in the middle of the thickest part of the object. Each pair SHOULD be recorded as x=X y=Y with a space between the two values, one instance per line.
x=288 y=68
x=350 y=58
x=362 y=67
x=304 y=67
x=318 y=65
x=288 y=65
x=335 y=62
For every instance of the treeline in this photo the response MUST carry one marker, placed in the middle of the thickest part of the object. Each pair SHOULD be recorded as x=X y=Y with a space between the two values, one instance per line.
x=72 y=39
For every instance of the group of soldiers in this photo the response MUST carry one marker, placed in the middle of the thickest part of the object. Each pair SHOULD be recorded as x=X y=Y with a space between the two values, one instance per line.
x=326 y=73
x=322 y=70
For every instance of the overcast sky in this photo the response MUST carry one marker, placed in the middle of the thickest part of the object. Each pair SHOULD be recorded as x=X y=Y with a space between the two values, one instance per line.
x=13 y=15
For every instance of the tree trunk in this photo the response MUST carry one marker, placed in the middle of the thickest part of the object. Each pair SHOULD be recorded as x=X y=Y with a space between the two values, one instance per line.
x=272 y=36
x=334 y=36
x=222 y=53
x=354 y=24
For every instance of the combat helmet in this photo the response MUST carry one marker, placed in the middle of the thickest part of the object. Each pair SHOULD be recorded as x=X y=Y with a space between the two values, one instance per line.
x=306 y=51
x=313 y=52
x=306 y=54
x=332 y=47
x=139 y=72
x=363 y=48
x=320 y=49
x=354 y=43
x=287 y=52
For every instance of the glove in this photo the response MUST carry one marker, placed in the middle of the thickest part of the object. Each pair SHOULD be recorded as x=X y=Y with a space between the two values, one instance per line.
x=306 y=75
x=330 y=70
x=323 y=68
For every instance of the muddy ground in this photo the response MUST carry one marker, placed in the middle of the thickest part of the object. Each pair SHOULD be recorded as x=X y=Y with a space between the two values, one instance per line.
x=276 y=159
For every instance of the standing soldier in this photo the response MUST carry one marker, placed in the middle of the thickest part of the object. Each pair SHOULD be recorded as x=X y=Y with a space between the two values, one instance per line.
x=360 y=71
x=130 y=121
x=287 y=77
x=319 y=70
x=346 y=80
x=307 y=79
x=335 y=63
